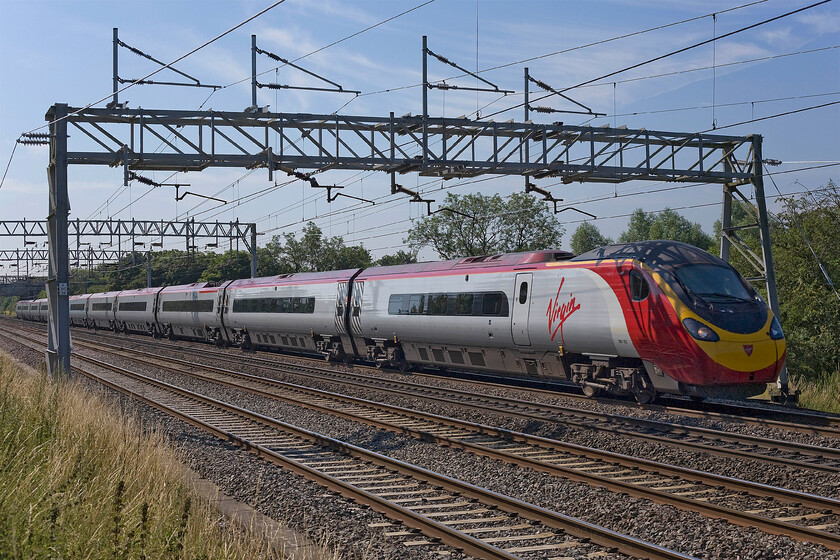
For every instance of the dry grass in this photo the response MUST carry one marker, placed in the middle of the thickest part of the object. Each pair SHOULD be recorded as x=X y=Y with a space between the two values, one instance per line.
x=80 y=480
x=820 y=395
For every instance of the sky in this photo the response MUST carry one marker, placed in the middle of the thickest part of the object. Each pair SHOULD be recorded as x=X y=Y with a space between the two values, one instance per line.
x=61 y=52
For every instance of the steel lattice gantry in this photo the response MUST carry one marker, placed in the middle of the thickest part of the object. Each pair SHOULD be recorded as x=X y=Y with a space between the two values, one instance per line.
x=170 y=140
x=130 y=230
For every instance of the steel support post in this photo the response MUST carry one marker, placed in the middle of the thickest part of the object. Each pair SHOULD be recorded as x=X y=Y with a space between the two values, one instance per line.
x=148 y=269
x=766 y=246
x=725 y=223
x=58 y=350
x=726 y=216
x=116 y=66
x=254 y=71
x=425 y=108
x=527 y=151
x=253 y=228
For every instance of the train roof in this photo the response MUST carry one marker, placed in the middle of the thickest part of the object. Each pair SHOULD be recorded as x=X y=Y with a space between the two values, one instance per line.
x=105 y=294
x=657 y=253
x=469 y=263
x=191 y=287
x=294 y=278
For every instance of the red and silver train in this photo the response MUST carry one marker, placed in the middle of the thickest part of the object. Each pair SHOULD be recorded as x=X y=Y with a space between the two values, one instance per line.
x=635 y=318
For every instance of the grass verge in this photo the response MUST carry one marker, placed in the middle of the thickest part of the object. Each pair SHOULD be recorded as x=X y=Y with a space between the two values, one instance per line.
x=81 y=480
x=823 y=394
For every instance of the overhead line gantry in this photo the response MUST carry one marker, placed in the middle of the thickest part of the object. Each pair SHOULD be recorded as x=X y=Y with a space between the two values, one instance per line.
x=431 y=146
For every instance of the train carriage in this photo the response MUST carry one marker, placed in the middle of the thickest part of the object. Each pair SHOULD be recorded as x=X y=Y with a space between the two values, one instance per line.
x=298 y=312
x=100 y=312
x=457 y=313
x=634 y=318
x=191 y=311
x=42 y=310
x=78 y=310
x=135 y=310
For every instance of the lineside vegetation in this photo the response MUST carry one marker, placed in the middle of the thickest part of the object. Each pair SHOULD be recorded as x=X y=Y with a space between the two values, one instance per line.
x=79 y=479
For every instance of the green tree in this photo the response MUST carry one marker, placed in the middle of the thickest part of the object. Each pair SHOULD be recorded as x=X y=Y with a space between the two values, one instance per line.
x=668 y=224
x=638 y=228
x=474 y=224
x=400 y=257
x=809 y=305
x=314 y=252
x=587 y=237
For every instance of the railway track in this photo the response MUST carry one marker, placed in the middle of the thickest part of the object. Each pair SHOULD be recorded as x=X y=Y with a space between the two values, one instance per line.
x=805 y=517
x=696 y=439
x=773 y=510
x=446 y=511
x=790 y=419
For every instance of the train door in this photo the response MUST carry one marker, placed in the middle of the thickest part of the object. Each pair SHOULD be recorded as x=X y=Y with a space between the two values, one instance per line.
x=521 y=308
x=340 y=302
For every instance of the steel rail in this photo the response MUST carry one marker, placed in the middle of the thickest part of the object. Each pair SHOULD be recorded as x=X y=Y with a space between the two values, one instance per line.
x=811 y=422
x=764 y=523
x=598 y=535
x=564 y=415
x=561 y=414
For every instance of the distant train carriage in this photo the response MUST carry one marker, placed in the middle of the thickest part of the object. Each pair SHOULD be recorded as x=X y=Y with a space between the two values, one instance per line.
x=78 y=310
x=100 y=313
x=301 y=312
x=191 y=311
x=135 y=310
x=42 y=310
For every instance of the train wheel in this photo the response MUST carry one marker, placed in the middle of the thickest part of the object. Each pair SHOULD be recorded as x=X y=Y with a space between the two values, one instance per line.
x=590 y=391
x=644 y=393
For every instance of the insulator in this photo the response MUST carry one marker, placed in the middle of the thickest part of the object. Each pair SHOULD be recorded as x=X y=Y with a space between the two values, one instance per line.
x=144 y=180
x=543 y=85
x=543 y=110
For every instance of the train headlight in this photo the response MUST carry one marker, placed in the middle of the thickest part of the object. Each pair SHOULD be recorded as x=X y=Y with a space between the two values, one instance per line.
x=700 y=331
x=776 y=332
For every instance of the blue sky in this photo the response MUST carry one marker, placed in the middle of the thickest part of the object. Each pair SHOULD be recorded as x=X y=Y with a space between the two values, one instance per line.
x=60 y=51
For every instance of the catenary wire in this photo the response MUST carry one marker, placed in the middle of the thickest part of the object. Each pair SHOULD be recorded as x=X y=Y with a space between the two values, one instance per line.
x=671 y=53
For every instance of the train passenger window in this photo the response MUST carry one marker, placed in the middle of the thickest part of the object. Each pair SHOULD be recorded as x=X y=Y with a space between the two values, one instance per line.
x=464 y=304
x=523 y=292
x=639 y=289
x=133 y=306
x=397 y=305
x=438 y=304
x=274 y=305
x=492 y=304
x=417 y=304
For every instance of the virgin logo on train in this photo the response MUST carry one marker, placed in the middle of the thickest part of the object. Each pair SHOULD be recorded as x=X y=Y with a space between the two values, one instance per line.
x=748 y=348
x=559 y=311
